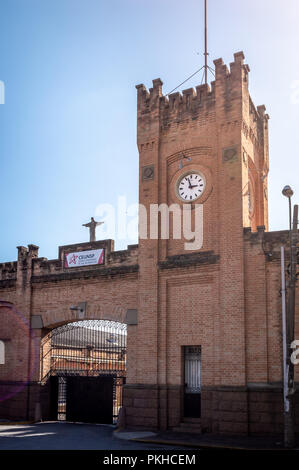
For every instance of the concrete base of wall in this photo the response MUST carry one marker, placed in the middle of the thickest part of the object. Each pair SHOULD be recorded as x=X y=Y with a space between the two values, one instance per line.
x=252 y=410
x=18 y=400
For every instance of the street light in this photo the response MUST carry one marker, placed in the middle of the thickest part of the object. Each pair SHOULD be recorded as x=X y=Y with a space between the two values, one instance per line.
x=288 y=192
x=288 y=326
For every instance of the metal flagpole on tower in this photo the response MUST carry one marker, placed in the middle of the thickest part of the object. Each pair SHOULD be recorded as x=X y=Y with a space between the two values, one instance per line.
x=206 y=45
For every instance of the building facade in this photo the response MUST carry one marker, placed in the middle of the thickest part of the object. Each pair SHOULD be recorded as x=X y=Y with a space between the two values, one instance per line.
x=204 y=322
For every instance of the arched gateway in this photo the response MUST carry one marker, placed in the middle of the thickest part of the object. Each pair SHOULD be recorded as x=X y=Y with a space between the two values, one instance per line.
x=82 y=371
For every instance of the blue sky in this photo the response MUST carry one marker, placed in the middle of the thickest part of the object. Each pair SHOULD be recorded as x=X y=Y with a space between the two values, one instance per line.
x=68 y=126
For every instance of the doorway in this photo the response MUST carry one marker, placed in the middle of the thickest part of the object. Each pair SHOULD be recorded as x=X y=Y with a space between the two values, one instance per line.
x=192 y=381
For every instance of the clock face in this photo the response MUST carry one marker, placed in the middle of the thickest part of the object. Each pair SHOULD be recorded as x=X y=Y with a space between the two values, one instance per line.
x=191 y=186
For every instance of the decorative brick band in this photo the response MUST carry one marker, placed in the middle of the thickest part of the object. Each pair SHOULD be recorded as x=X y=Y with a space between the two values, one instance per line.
x=190 y=259
x=101 y=272
x=5 y=283
x=18 y=382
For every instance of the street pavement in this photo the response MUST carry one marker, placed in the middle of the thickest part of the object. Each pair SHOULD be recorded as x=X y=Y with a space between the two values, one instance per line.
x=68 y=436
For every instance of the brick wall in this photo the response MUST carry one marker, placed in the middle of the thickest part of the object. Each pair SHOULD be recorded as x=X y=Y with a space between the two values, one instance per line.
x=38 y=287
x=224 y=297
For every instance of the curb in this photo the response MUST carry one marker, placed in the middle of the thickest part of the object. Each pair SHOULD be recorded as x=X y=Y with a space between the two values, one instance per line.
x=15 y=423
x=203 y=446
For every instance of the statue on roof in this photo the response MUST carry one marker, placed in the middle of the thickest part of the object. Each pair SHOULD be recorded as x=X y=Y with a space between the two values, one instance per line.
x=92 y=228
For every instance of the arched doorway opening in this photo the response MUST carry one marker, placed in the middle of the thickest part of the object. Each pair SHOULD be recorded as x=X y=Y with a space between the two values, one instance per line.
x=83 y=369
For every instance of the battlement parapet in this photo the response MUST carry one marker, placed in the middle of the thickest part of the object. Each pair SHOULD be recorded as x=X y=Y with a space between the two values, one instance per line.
x=193 y=101
x=40 y=266
x=128 y=256
x=270 y=243
x=190 y=100
x=8 y=270
x=45 y=266
x=255 y=127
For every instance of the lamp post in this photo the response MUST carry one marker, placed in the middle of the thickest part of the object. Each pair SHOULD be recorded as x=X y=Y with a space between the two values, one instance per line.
x=289 y=389
x=288 y=192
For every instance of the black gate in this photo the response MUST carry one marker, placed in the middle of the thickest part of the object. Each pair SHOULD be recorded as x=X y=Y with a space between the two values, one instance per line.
x=192 y=392
x=87 y=359
x=54 y=388
x=90 y=399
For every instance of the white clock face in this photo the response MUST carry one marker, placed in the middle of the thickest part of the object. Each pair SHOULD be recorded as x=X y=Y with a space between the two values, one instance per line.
x=190 y=187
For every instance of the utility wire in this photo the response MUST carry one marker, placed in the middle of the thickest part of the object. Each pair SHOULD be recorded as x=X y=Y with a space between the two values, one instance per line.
x=211 y=70
x=191 y=76
x=185 y=80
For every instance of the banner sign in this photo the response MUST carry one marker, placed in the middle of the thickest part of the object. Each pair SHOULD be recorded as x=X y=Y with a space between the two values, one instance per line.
x=84 y=258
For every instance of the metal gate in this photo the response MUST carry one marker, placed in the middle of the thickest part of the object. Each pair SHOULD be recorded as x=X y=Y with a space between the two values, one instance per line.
x=88 y=360
x=90 y=399
x=192 y=391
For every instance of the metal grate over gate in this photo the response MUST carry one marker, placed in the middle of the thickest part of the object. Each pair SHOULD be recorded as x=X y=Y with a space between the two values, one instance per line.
x=88 y=348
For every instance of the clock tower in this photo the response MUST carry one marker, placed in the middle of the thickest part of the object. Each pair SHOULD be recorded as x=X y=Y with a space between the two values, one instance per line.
x=203 y=148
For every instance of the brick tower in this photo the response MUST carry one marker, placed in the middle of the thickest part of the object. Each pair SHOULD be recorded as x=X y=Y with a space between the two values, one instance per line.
x=196 y=298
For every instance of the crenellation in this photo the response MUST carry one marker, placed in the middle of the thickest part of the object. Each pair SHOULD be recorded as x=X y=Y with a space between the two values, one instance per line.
x=239 y=57
x=256 y=124
x=222 y=72
x=235 y=68
x=143 y=97
x=22 y=253
x=33 y=250
x=220 y=67
x=252 y=110
x=128 y=256
x=157 y=87
x=261 y=110
x=192 y=102
x=205 y=94
x=8 y=270
x=188 y=96
x=42 y=266
x=189 y=92
x=175 y=99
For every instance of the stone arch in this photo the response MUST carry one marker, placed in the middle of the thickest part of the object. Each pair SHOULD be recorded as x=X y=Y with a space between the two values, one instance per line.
x=54 y=319
x=6 y=304
x=92 y=350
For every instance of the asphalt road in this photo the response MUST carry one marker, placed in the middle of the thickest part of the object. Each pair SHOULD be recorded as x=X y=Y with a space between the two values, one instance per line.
x=67 y=436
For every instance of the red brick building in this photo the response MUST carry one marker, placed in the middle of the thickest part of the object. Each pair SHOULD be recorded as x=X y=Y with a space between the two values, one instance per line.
x=204 y=326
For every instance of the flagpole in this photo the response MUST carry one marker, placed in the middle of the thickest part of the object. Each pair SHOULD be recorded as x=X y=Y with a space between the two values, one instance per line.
x=206 y=45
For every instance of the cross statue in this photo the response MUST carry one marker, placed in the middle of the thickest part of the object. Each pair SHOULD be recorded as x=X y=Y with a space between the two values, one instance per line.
x=92 y=228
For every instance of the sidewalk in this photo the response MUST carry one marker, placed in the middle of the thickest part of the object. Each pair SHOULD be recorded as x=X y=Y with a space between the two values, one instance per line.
x=204 y=441
x=6 y=422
